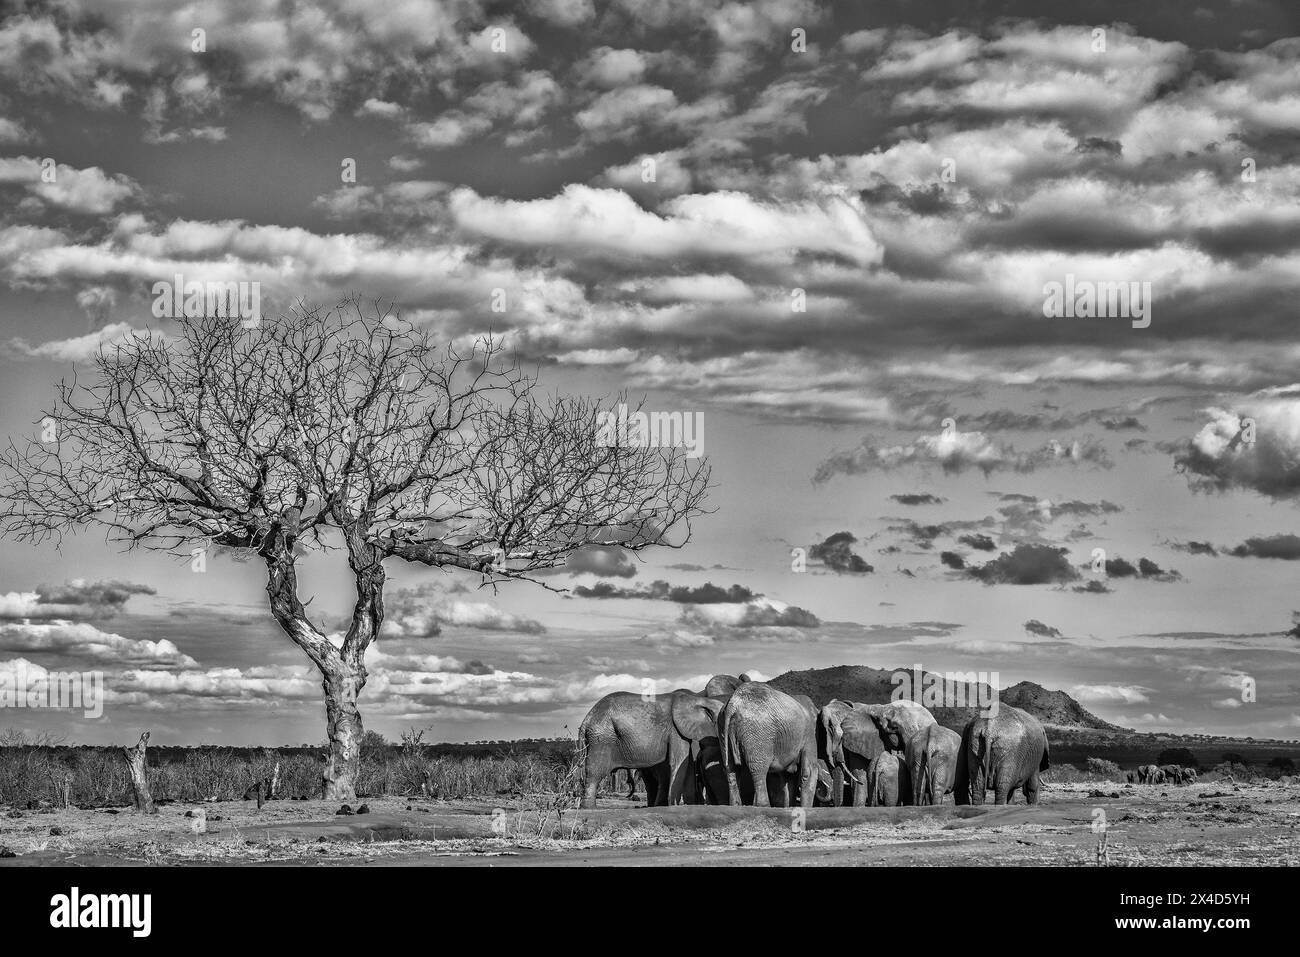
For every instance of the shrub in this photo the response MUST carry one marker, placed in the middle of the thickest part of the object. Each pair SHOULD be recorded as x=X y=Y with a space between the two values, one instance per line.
x=1106 y=768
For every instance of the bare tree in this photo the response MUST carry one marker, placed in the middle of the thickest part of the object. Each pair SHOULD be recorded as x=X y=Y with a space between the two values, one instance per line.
x=346 y=430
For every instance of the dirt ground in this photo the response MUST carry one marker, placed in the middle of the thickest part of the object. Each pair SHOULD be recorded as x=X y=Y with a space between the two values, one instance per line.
x=1214 y=823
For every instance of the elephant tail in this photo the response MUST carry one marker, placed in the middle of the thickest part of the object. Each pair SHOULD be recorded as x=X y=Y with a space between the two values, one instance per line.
x=1045 y=763
x=580 y=751
x=724 y=739
x=985 y=755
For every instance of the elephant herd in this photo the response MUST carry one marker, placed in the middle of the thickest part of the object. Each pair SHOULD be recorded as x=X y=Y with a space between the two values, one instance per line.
x=1161 y=774
x=746 y=742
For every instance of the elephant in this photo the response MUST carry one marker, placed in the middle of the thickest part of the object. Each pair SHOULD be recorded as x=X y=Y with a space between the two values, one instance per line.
x=1173 y=773
x=931 y=756
x=1130 y=777
x=899 y=720
x=771 y=735
x=1006 y=751
x=855 y=733
x=667 y=737
x=1189 y=775
x=1150 y=774
x=888 y=784
x=851 y=741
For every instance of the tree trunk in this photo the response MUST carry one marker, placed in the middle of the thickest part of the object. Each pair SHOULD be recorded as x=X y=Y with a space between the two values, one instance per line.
x=343 y=724
x=342 y=669
x=139 y=768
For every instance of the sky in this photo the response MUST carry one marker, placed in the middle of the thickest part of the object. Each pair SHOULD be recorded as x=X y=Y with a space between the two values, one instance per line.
x=827 y=231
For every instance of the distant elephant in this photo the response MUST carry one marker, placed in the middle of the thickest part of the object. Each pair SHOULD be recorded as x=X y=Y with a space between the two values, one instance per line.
x=628 y=777
x=1173 y=773
x=1130 y=777
x=887 y=781
x=721 y=686
x=1150 y=774
x=1189 y=775
x=931 y=756
x=663 y=736
x=767 y=736
x=1005 y=751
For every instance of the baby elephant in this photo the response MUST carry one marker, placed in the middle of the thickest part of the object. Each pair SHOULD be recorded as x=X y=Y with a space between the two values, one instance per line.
x=931 y=756
x=888 y=784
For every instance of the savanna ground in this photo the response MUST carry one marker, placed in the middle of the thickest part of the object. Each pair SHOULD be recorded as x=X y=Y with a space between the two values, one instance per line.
x=1210 y=822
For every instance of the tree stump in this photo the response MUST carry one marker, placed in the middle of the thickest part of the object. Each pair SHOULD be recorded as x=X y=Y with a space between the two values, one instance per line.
x=139 y=768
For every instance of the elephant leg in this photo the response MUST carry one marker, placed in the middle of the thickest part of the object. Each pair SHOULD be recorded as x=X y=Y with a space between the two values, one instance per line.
x=860 y=789
x=1002 y=794
x=663 y=784
x=808 y=783
x=680 y=769
x=744 y=789
x=648 y=781
x=777 y=786
x=1031 y=789
x=597 y=765
x=654 y=784
x=758 y=774
x=837 y=787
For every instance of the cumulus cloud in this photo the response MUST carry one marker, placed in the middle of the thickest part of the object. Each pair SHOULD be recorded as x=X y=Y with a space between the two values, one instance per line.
x=837 y=554
x=1118 y=567
x=706 y=594
x=81 y=641
x=1036 y=627
x=89 y=191
x=1111 y=694
x=1285 y=547
x=601 y=222
x=756 y=613
x=957 y=452
x=1254 y=446
x=917 y=498
x=77 y=598
x=1027 y=565
x=606 y=561
x=76 y=349
x=424 y=611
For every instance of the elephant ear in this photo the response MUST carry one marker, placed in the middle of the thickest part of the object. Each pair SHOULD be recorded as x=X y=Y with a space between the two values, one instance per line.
x=861 y=735
x=696 y=717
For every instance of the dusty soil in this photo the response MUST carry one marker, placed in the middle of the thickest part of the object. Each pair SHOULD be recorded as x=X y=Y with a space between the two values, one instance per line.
x=1207 y=824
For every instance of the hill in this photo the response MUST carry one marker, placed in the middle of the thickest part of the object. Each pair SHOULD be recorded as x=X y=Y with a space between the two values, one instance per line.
x=877 y=686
